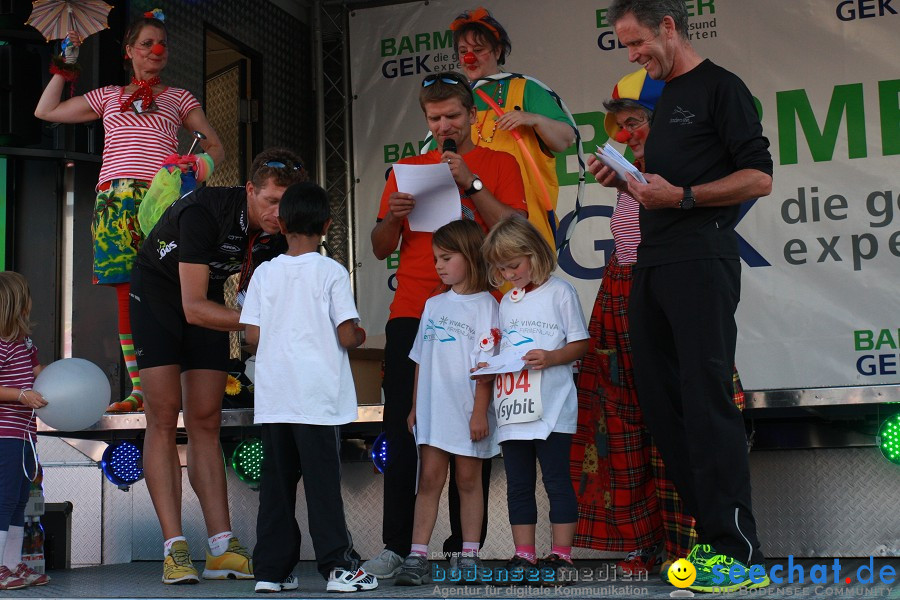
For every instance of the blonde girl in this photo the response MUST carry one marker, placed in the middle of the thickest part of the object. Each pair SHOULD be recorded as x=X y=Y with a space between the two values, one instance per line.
x=18 y=368
x=450 y=416
x=542 y=323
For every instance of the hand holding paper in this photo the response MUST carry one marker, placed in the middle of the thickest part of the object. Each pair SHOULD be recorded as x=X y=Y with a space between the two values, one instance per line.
x=613 y=159
x=436 y=195
x=510 y=361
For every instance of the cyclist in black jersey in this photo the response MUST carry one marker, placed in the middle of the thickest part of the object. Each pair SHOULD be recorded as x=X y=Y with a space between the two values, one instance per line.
x=181 y=324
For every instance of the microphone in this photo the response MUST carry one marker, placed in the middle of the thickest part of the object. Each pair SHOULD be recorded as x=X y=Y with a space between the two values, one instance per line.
x=449 y=146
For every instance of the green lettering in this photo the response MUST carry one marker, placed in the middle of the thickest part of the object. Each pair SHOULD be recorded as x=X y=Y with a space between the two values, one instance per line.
x=391 y=153
x=602 y=23
x=845 y=99
x=408 y=150
x=444 y=40
x=862 y=340
x=710 y=4
x=595 y=120
x=423 y=39
x=394 y=152
x=388 y=47
x=393 y=260
x=889 y=102
x=405 y=45
x=885 y=339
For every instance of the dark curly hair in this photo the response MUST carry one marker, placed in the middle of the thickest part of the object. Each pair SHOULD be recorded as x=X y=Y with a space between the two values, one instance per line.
x=486 y=30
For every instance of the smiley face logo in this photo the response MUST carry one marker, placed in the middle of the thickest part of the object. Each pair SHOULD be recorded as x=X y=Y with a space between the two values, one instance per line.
x=682 y=573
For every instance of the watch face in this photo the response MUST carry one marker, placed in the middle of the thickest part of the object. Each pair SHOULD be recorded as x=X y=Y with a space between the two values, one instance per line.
x=477 y=185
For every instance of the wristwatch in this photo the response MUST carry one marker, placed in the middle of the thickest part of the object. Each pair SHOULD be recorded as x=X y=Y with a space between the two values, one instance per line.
x=476 y=187
x=687 y=201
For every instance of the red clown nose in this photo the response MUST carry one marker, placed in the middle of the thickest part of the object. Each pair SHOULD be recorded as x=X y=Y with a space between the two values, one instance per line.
x=158 y=49
x=469 y=58
x=623 y=136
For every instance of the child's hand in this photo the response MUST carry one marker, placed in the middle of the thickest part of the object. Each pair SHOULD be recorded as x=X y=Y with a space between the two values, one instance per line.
x=538 y=359
x=481 y=378
x=411 y=420
x=478 y=427
x=32 y=399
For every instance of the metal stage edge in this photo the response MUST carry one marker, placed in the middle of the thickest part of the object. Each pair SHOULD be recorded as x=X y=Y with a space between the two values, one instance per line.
x=373 y=413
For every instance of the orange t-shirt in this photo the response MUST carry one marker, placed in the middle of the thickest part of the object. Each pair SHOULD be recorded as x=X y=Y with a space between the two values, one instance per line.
x=417 y=279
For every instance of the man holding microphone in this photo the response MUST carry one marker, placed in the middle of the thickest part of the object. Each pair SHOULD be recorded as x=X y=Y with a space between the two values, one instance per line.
x=490 y=188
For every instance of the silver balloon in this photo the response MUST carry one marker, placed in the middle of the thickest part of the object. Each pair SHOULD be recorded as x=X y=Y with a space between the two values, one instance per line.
x=77 y=393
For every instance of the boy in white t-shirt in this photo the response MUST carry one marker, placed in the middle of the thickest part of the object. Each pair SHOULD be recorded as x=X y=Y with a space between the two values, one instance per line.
x=300 y=312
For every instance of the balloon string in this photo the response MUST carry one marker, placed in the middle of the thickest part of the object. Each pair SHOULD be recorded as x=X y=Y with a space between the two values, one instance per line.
x=34 y=453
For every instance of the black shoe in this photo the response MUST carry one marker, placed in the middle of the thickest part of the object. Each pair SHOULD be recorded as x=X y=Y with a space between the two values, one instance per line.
x=556 y=571
x=517 y=571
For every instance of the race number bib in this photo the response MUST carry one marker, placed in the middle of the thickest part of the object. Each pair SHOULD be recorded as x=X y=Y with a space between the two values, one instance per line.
x=517 y=397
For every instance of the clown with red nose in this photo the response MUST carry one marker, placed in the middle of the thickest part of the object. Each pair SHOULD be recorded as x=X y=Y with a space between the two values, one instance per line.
x=516 y=114
x=629 y=111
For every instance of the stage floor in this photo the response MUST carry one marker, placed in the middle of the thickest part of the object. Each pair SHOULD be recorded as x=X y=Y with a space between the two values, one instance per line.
x=142 y=580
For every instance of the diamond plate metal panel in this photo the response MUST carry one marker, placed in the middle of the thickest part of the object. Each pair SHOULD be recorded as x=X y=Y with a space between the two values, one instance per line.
x=835 y=502
x=118 y=506
x=826 y=502
x=223 y=112
x=52 y=449
x=83 y=487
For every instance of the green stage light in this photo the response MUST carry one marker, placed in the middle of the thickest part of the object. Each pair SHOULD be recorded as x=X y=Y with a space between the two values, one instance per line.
x=889 y=438
x=247 y=461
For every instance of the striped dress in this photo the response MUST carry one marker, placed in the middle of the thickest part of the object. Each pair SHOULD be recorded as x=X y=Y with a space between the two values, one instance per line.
x=18 y=359
x=625 y=500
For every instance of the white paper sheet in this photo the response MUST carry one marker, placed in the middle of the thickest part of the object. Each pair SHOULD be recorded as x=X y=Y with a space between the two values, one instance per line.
x=436 y=194
x=613 y=159
x=509 y=361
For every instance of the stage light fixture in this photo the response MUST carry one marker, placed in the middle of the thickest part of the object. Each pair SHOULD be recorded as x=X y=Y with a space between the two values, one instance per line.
x=247 y=461
x=122 y=463
x=380 y=452
x=888 y=439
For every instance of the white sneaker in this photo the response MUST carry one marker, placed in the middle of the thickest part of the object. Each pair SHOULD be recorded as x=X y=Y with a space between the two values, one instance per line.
x=385 y=565
x=341 y=580
x=267 y=587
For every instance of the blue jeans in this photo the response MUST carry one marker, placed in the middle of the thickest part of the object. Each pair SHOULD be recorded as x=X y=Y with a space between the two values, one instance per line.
x=14 y=484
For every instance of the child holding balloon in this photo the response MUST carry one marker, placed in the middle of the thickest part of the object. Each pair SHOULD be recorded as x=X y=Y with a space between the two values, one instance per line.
x=18 y=466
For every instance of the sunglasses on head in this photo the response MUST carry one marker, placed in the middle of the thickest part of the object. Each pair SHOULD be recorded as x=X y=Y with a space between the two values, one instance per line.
x=277 y=164
x=445 y=78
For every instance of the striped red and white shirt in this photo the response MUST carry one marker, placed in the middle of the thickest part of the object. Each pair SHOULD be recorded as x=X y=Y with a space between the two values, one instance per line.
x=625 y=228
x=17 y=362
x=136 y=145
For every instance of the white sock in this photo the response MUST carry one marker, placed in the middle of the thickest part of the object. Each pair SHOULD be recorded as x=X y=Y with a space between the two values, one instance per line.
x=218 y=543
x=12 y=551
x=167 y=545
x=3 y=535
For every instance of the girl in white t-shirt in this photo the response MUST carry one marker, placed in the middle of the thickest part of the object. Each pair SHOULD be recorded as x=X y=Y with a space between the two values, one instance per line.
x=450 y=414
x=542 y=324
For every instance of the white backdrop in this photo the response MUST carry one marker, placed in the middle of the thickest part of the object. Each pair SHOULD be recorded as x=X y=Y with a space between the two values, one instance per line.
x=819 y=306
